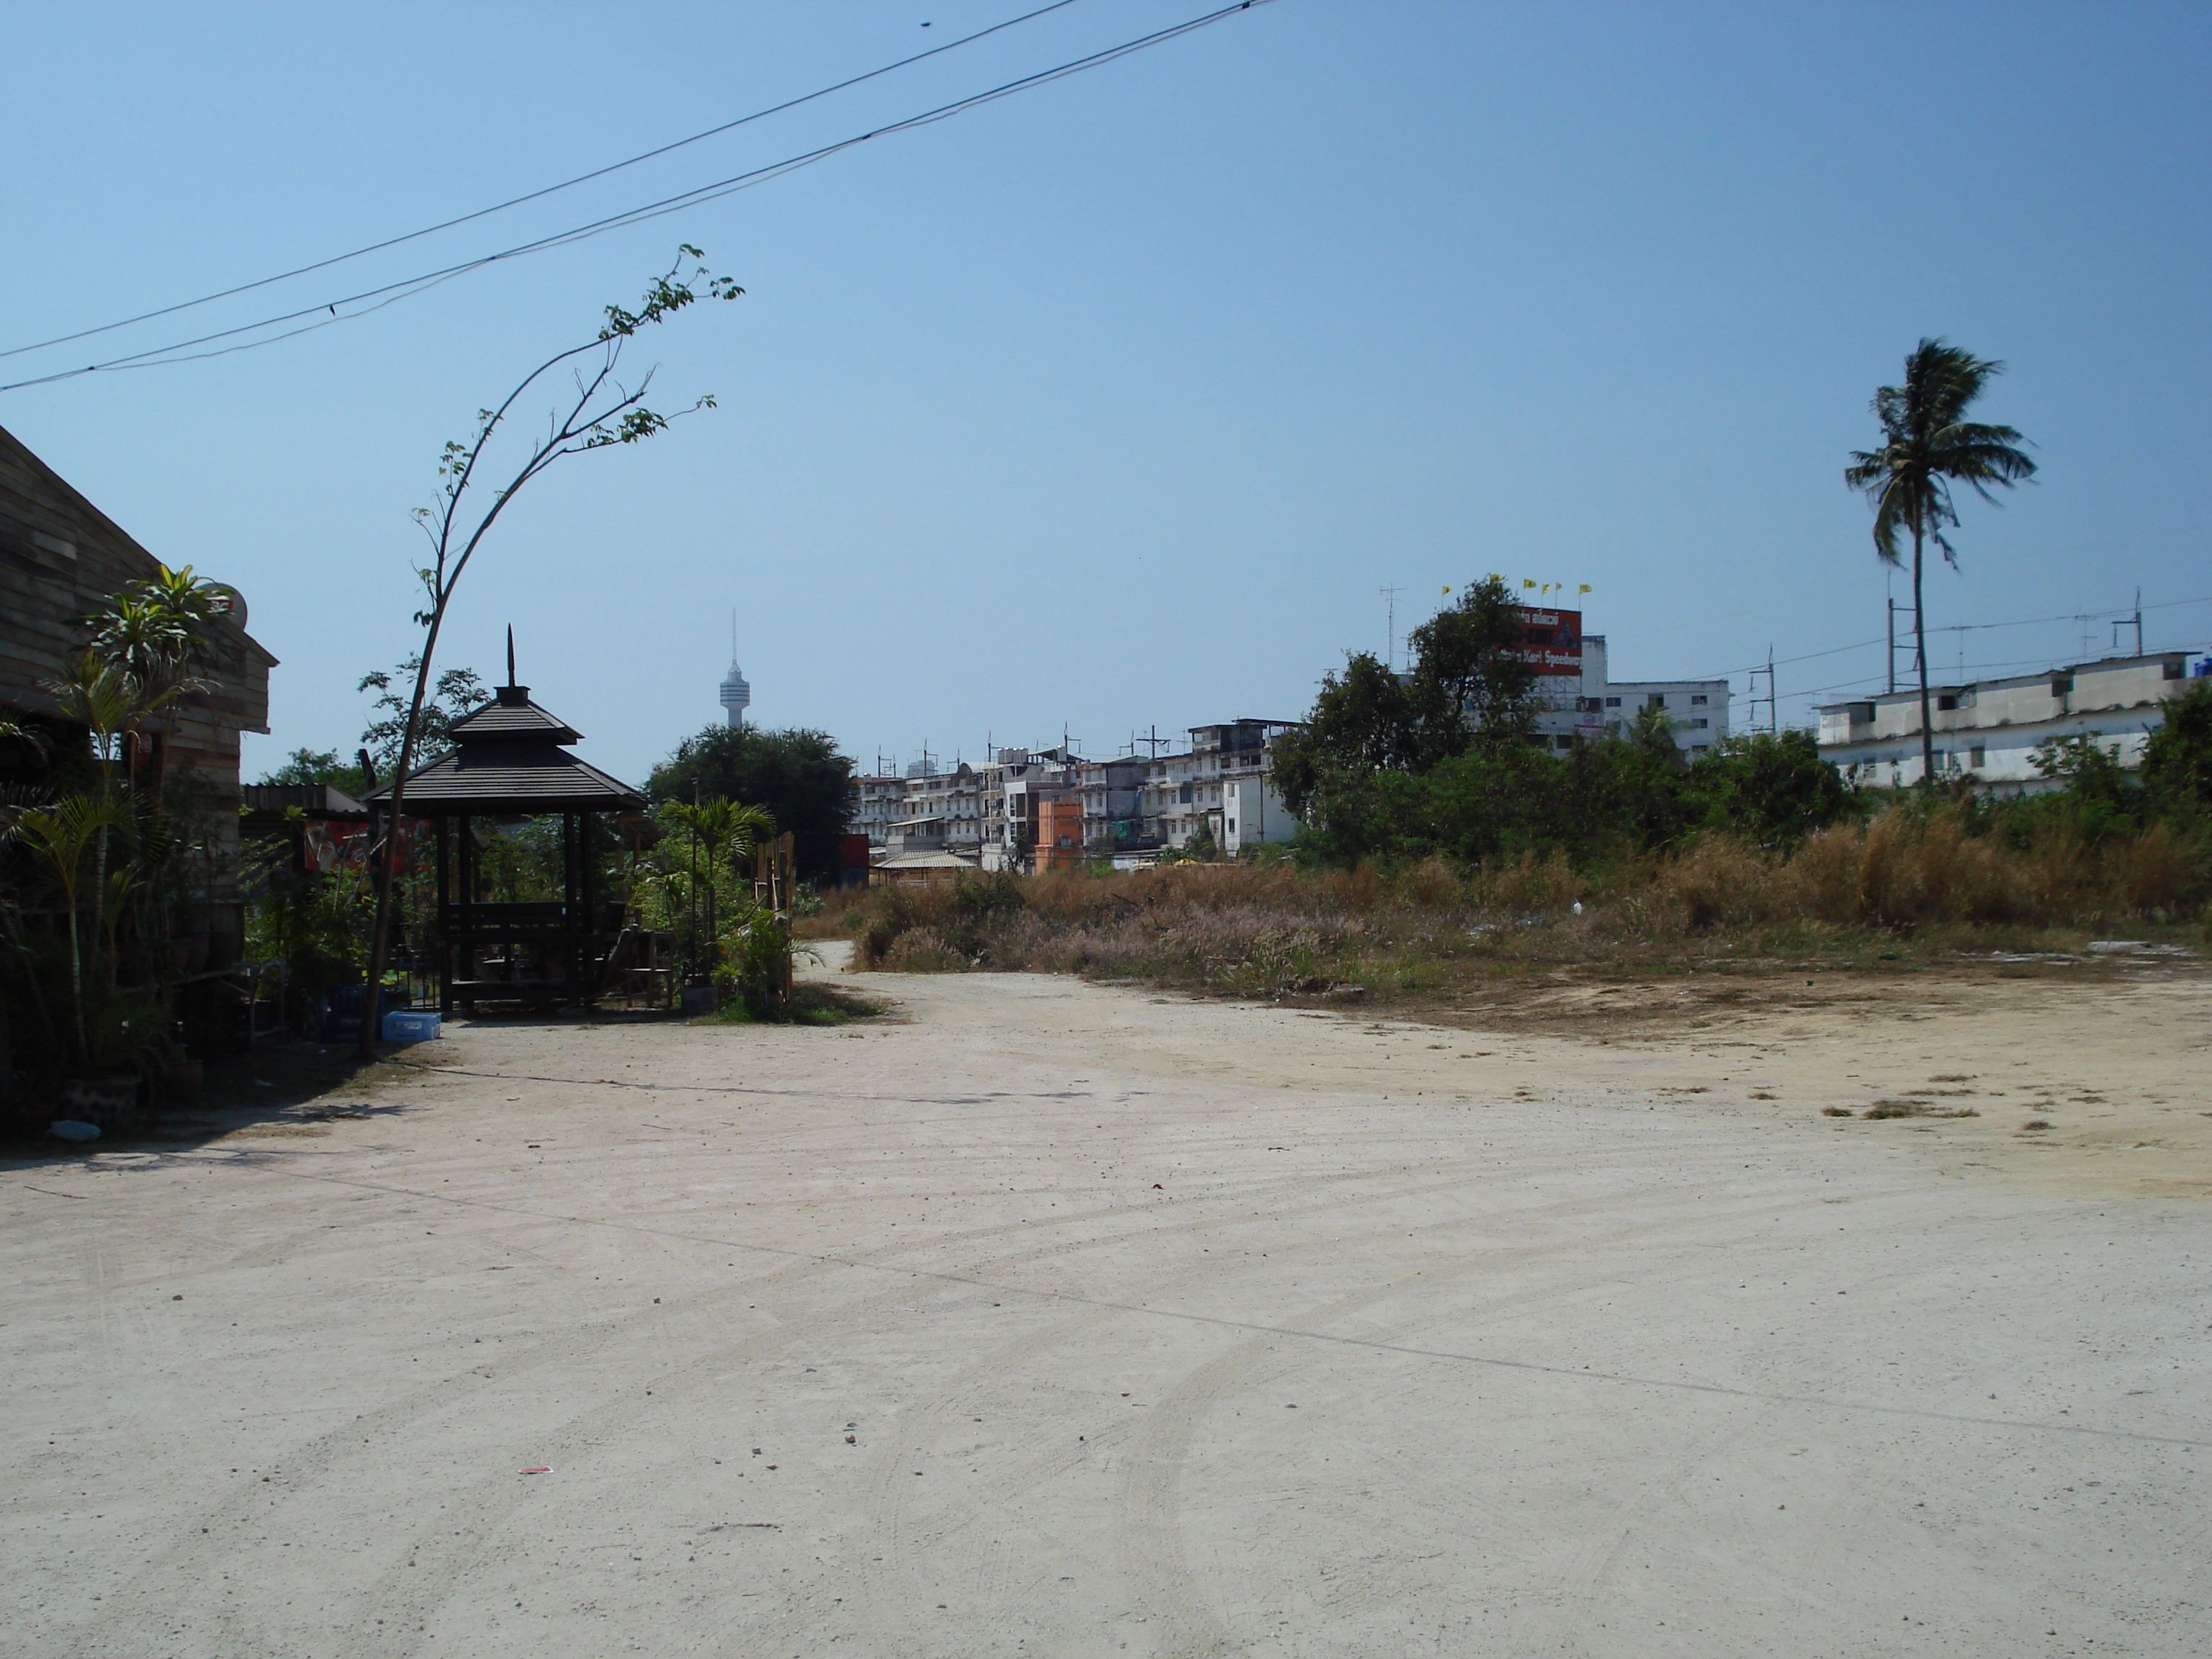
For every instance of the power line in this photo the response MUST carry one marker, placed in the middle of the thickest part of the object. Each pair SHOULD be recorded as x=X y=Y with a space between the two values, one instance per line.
x=1954 y=627
x=1975 y=667
x=533 y=196
x=391 y=292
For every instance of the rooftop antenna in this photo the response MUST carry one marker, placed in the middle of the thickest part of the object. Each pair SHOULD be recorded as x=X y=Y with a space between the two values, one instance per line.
x=1391 y=631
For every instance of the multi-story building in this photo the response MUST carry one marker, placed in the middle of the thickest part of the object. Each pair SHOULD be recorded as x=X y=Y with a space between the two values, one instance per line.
x=882 y=803
x=1028 y=779
x=1129 y=806
x=1112 y=793
x=943 y=811
x=1579 y=705
x=1058 y=833
x=1220 y=783
x=1989 y=730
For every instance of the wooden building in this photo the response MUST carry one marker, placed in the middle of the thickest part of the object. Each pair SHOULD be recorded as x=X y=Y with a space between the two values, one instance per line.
x=61 y=560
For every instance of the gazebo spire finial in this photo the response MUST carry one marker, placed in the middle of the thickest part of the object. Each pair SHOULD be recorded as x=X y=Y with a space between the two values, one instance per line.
x=510 y=654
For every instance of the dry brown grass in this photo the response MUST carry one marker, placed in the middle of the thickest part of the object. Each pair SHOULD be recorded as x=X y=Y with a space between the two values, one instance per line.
x=1905 y=885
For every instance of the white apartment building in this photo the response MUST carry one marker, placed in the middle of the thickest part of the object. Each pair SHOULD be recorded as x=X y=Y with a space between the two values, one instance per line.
x=1990 y=730
x=946 y=811
x=882 y=803
x=1592 y=705
x=1220 y=782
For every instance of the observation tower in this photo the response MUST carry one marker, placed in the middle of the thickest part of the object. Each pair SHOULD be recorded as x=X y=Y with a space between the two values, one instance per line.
x=737 y=696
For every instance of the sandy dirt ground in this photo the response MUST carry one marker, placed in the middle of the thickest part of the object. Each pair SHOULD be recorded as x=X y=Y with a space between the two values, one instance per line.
x=1050 y=1319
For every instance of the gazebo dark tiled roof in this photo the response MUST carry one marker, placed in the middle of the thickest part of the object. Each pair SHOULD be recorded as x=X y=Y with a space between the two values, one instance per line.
x=535 y=778
x=498 y=721
x=508 y=758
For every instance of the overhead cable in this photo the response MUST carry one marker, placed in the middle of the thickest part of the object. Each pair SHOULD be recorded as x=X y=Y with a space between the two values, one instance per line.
x=2121 y=613
x=391 y=292
x=533 y=196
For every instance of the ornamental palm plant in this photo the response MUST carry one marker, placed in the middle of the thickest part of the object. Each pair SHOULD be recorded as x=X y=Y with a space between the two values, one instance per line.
x=1927 y=442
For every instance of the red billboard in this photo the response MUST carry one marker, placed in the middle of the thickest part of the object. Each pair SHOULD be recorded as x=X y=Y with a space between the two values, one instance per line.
x=1552 y=640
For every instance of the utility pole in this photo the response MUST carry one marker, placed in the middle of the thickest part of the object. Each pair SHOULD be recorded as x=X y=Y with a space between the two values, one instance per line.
x=1151 y=743
x=1391 y=627
x=1752 y=699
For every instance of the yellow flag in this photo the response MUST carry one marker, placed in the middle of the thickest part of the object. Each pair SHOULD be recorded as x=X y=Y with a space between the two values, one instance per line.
x=1525 y=582
x=1446 y=587
x=1584 y=588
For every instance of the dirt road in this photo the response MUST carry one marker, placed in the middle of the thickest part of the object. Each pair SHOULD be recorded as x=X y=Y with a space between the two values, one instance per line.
x=1048 y=1319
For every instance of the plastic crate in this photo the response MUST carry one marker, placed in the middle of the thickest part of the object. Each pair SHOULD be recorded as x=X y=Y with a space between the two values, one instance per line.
x=410 y=1025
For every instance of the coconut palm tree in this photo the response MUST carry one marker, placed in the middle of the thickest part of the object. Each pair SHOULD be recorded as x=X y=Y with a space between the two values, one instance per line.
x=1927 y=442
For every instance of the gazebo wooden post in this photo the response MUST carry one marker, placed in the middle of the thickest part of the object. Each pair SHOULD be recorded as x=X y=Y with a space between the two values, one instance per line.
x=571 y=969
x=438 y=929
x=460 y=942
x=588 y=938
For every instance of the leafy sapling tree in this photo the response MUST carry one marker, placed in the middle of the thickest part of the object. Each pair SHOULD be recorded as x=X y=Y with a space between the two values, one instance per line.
x=599 y=410
x=1927 y=442
x=456 y=692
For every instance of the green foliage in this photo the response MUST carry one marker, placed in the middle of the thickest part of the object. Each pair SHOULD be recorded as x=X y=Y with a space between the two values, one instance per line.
x=1359 y=726
x=2177 y=764
x=105 y=851
x=156 y=631
x=2082 y=762
x=1928 y=443
x=456 y=692
x=316 y=924
x=757 y=954
x=796 y=776
x=310 y=767
x=1467 y=686
x=1470 y=683
x=1595 y=804
x=1770 y=788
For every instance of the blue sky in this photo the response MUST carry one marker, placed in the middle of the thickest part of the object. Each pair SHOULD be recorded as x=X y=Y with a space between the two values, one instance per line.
x=1115 y=404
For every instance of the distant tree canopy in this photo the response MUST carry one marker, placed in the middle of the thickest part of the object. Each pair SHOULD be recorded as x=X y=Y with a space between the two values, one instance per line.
x=313 y=766
x=1467 y=687
x=1441 y=760
x=798 y=776
x=455 y=692
x=2177 y=765
x=1603 y=798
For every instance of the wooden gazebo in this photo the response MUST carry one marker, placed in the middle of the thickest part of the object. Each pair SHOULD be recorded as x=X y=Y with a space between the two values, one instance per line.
x=509 y=760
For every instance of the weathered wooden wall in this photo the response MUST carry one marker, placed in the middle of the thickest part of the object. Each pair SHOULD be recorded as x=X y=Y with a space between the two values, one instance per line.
x=60 y=559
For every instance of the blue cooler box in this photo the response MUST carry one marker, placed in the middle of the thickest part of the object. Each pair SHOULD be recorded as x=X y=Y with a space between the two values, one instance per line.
x=410 y=1025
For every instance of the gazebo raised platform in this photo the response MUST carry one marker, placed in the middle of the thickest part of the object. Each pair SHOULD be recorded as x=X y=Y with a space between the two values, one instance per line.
x=510 y=761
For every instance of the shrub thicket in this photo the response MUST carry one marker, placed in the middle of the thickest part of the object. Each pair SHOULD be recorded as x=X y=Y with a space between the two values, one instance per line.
x=1512 y=852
